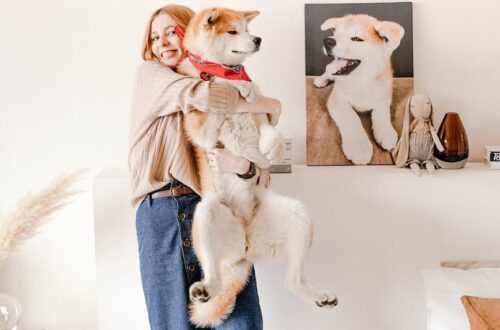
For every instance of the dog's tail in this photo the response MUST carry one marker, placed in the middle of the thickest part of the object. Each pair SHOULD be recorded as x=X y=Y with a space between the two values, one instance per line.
x=215 y=311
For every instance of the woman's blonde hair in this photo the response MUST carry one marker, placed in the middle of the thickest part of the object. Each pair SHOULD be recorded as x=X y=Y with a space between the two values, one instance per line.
x=180 y=14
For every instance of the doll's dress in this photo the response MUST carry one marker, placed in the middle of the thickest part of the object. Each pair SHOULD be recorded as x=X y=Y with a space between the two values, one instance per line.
x=421 y=149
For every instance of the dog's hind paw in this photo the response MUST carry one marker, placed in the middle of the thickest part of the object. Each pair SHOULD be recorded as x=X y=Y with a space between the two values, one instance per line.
x=328 y=300
x=198 y=293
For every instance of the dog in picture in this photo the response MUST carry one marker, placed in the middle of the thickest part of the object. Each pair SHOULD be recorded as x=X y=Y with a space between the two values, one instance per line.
x=361 y=47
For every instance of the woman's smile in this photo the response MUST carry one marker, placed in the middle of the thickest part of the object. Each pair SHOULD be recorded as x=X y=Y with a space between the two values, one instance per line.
x=167 y=53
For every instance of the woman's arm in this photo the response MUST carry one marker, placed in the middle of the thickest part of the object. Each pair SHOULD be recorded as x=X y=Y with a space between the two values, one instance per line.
x=165 y=91
x=263 y=105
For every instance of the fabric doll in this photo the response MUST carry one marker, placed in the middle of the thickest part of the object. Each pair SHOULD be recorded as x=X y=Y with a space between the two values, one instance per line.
x=415 y=147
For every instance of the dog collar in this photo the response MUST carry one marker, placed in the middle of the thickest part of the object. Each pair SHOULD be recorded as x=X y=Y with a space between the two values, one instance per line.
x=209 y=69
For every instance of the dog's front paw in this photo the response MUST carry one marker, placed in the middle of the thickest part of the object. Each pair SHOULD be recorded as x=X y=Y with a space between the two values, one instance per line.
x=198 y=293
x=272 y=145
x=358 y=150
x=387 y=139
x=327 y=300
x=321 y=82
x=253 y=94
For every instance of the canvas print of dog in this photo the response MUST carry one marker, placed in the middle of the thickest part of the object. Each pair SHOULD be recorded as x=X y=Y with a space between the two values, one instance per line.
x=354 y=103
x=237 y=222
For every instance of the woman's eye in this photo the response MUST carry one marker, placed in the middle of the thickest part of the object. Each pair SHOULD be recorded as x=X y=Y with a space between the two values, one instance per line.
x=232 y=32
x=356 y=39
x=171 y=33
x=155 y=38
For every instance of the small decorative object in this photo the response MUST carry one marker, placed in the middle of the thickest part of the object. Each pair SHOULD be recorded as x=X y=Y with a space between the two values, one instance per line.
x=492 y=156
x=10 y=312
x=286 y=164
x=33 y=211
x=22 y=223
x=415 y=147
x=454 y=139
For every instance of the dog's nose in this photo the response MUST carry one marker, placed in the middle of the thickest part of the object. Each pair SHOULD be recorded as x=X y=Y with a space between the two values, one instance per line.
x=257 y=41
x=329 y=43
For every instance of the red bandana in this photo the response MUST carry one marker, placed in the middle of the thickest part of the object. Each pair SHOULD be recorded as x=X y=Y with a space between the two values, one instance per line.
x=179 y=31
x=208 y=69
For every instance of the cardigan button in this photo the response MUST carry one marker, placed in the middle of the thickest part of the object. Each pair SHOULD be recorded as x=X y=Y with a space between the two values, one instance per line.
x=181 y=216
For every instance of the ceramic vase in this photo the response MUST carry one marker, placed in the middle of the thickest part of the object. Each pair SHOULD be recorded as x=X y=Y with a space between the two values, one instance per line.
x=10 y=312
x=452 y=134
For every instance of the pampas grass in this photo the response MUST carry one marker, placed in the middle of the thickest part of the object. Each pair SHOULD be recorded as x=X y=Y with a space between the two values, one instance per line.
x=34 y=210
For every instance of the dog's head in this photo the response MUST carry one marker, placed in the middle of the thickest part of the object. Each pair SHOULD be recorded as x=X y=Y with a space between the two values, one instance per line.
x=221 y=35
x=361 y=40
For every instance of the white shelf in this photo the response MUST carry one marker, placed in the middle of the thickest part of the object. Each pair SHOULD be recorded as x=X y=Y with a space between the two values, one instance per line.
x=375 y=226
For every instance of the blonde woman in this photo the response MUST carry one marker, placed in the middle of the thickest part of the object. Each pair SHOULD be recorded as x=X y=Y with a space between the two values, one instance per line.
x=163 y=178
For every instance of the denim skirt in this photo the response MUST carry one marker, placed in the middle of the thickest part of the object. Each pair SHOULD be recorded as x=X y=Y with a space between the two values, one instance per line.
x=169 y=266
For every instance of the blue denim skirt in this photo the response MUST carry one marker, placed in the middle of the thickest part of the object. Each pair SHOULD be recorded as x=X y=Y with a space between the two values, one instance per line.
x=169 y=266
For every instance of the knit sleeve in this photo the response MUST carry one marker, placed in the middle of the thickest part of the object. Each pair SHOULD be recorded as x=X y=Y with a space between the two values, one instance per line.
x=166 y=92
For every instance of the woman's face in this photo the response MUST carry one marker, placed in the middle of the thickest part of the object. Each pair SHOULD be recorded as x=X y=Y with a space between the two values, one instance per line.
x=165 y=43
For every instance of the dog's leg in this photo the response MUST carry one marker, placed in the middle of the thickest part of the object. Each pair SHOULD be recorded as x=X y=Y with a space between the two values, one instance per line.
x=240 y=135
x=271 y=142
x=355 y=143
x=248 y=90
x=284 y=222
x=218 y=237
x=323 y=80
x=211 y=130
x=383 y=132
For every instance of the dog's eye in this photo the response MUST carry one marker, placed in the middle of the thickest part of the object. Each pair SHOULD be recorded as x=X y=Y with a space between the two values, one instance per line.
x=356 y=39
x=232 y=32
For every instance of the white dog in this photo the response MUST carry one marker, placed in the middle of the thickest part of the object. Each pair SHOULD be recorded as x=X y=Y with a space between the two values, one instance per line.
x=238 y=222
x=361 y=47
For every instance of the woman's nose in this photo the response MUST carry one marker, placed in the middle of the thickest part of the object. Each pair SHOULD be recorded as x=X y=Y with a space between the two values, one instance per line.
x=164 y=40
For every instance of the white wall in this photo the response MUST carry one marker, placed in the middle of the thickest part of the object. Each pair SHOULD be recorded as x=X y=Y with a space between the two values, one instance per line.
x=65 y=75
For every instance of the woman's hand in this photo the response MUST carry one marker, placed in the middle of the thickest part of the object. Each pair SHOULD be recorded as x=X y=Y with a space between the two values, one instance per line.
x=263 y=105
x=224 y=161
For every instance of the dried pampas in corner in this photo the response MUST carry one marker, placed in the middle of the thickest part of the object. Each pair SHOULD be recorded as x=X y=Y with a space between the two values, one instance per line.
x=34 y=210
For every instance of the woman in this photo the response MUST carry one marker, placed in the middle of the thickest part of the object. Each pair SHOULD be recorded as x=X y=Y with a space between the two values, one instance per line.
x=164 y=183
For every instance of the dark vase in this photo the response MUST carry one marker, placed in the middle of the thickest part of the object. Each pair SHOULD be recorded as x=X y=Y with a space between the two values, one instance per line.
x=452 y=134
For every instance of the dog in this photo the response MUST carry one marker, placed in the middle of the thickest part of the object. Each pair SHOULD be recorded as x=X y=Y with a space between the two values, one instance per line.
x=361 y=48
x=237 y=222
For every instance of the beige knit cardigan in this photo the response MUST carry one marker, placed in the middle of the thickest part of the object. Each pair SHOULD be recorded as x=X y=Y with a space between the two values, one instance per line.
x=158 y=148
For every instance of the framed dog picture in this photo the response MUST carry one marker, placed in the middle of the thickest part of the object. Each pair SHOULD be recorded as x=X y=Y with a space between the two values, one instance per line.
x=359 y=74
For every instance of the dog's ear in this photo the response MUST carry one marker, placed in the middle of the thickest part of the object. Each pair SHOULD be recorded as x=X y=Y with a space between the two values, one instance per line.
x=211 y=16
x=250 y=15
x=330 y=23
x=391 y=32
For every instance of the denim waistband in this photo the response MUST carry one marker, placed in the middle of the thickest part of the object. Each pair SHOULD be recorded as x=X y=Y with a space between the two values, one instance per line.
x=172 y=184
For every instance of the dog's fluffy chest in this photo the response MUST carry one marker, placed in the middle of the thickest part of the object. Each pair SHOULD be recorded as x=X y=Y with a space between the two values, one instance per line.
x=238 y=195
x=363 y=92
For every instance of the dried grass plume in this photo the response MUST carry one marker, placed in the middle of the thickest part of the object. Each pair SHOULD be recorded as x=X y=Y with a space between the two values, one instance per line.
x=34 y=210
